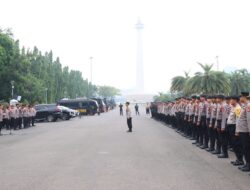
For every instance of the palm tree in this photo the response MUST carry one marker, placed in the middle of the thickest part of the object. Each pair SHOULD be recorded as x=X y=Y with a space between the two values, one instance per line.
x=179 y=82
x=208 y=81
x=240 y=81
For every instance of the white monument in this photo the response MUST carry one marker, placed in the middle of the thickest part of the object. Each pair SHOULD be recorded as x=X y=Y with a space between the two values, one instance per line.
x=139 y=63
x=138 y=95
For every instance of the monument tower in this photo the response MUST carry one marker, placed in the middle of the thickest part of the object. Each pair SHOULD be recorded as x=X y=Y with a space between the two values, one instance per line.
x=139 y=64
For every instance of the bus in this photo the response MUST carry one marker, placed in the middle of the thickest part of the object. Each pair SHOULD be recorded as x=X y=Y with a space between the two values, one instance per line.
x=84 y=106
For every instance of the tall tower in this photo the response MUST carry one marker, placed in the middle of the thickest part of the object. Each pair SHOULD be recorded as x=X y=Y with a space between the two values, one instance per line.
x=139 y=64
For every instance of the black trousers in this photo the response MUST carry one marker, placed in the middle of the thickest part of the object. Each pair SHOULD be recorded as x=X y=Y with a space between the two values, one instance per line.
x=19 y=123
x=224 y=141
x=25 y=122
x=245 y=141
x=218 y=136
x=137 y=112
x=12 y=123
x=6 y=124
x=182 y=121
x=203 y=131
x=121 y=112
x=29 y=121
x=236 y=143
x=129 y=122
x=33 y=121
x=1 y=126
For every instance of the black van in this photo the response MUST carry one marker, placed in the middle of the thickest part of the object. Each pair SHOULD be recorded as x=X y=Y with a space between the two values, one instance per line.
x=84 y=106
x=101 y=104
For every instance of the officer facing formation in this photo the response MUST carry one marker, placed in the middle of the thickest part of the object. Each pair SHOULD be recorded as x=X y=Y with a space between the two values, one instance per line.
x=121 y=109
x=215 y=123
x=137 y=109
x=17 y=117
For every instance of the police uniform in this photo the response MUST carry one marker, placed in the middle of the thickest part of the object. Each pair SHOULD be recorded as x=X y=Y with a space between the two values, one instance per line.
x=208 y=117
x=1 y=119
x=25 y=117
x=231 y=126
x=218 y=124
x=202 y=124
x=243 y=129
x=6 y=118
x=224 y=136
x=13 y=116
x=212 y=127
x=33 y=115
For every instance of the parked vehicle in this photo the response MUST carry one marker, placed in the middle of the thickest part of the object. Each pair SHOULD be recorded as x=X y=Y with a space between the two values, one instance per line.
x=67 y=113
x=101 y=104
x=110 y=103
x=47 y=112
x=84 y=106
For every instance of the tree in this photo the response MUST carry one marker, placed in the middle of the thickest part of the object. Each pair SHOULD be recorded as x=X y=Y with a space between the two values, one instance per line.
x=164 y=97
x=208 y=82
x=108 y=91
x=178 y=83
x=33 y=72
x=240 y=81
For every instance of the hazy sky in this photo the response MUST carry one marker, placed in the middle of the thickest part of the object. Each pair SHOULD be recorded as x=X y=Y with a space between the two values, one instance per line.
x=177 y=34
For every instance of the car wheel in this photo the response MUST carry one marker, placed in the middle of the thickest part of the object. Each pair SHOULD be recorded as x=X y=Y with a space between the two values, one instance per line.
x=50 y=118
x=65 y=117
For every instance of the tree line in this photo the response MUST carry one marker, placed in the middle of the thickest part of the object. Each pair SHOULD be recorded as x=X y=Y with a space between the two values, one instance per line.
x=208 y=81
x=39 y=77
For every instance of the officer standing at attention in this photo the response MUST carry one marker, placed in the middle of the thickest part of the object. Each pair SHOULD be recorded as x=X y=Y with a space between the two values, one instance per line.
x=129 y=117
x=243 y=129
x=1 y=118
x=224 y=136
x=121 y=109
x=202 y=123
x=6 y=117
x=12 y=118
x=231 y=126
x=33 y=115
x=137 y=109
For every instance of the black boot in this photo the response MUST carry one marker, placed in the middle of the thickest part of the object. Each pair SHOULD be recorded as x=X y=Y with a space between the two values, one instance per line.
x=223 y=156
x=237 y=163
x=246 y=168
x=216 y=152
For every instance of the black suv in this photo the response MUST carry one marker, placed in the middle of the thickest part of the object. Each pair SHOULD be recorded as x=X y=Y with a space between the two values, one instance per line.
x=47 y=112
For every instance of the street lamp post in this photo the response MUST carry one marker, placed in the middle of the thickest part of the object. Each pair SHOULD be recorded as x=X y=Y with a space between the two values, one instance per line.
x=217 y=62
x=46 y=95
x=91 y=68
x=12 y=88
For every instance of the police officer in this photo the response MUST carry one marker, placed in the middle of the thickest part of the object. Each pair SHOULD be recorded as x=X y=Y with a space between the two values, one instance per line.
x=1 y=118
x=212 y=127
x=191 y=119
x=25 y=116
x=243 y=129
x=208 y=117
x=218 y=123
x=231 y=126
x=29 y=115
x=224 y=136
x=13 y=117
x=6 y=117
x=202 y=123
x=137 y=109
x=33 y=115
x=121 y=109
x=195 y=127
x=129 y=117
x=19 y=116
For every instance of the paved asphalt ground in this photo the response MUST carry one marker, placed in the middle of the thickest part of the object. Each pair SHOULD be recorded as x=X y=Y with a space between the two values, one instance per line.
x=95 y=153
